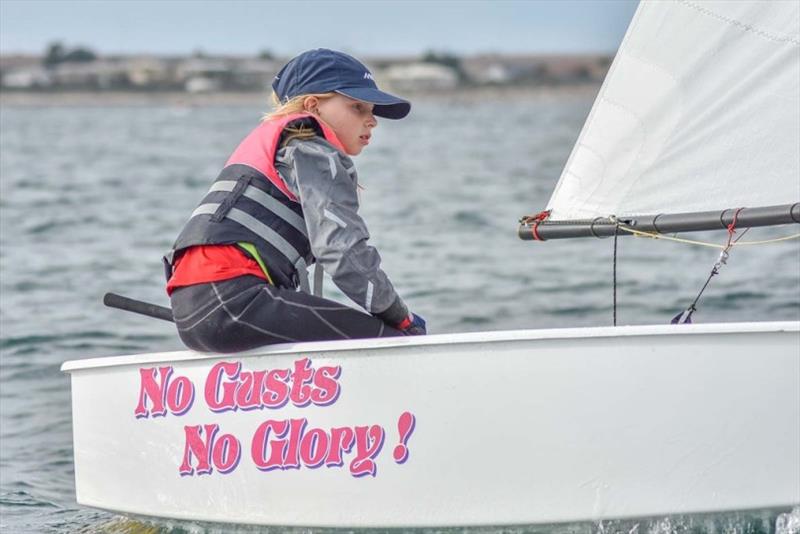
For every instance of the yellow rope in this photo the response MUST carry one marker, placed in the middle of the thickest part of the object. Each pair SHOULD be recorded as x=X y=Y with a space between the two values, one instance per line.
x=639 y=233
x=765 y=241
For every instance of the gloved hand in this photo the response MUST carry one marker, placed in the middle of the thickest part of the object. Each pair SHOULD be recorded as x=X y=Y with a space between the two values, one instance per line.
x=413 y=325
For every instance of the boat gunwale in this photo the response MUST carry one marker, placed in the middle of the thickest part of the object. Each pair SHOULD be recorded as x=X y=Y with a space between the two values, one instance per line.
x=436 y=340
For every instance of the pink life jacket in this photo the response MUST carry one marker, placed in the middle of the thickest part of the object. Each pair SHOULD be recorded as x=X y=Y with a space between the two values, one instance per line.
x=258 y=149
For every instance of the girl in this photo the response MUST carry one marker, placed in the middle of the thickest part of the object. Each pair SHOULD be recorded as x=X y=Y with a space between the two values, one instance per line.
x=287 y=198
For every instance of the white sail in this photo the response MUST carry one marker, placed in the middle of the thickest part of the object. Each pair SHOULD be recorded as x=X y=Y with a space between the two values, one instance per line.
x=700 y=111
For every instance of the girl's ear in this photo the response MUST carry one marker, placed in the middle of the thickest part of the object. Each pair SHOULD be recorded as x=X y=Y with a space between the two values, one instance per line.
x=310 y=104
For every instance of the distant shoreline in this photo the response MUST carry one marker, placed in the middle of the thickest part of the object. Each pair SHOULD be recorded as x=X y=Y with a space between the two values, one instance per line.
x=261 y=99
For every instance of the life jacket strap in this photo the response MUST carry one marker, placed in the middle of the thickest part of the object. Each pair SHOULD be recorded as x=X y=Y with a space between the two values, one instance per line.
x=230 y=200
x=268 y=201
x=267 y=234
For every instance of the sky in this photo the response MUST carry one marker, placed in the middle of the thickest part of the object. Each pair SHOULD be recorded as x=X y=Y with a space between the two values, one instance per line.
x=376 y=27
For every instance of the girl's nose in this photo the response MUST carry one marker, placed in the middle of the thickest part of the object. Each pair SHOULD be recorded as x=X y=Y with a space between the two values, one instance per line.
x=372 y=122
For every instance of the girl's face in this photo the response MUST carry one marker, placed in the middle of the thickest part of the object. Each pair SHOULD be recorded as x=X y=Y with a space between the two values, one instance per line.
x=351 y=120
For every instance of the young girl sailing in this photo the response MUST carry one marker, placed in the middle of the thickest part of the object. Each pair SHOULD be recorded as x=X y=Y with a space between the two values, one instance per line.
x=286 y=198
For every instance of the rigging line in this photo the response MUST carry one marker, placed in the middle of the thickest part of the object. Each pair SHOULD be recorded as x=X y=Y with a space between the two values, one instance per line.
x=738 y=238
x=616 y=234
x=737 y=243
x=686 y=315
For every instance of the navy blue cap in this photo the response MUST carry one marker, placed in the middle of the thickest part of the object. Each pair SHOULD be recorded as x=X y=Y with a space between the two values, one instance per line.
x=325 y=71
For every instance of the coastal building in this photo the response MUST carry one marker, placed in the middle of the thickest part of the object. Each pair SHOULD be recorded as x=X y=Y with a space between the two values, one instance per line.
x=495 y=69
x=147 y=72
x=202 y=75
x=26 y=78
x=23 y=72
x=254 y=74
x=420 y=76
x=98 y=74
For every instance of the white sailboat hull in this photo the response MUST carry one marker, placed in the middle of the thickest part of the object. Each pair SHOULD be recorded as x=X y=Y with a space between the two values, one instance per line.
x=521 y=427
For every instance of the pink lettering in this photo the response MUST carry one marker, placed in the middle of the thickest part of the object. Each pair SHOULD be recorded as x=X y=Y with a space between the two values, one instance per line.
x=176 y=395
x=259 y=446
x=248 y=393
x=229 y=387
x=342 y=439
x=314 y=447
x=276 y=444
x=405 y=426
x=277 y=392
x=226 y=454
x=325 y=380
x=292 y=458
x=290 y=444
x=180 y=395
x=301 y=391
x=197 y=447
x=369 y=441
x=214 y=382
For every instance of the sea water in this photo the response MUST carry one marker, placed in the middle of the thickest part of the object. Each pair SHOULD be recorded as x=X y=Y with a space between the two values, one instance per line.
x=92 y=195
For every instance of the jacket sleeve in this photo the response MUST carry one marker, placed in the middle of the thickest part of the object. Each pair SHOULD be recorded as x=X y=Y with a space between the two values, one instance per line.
x=325 y=182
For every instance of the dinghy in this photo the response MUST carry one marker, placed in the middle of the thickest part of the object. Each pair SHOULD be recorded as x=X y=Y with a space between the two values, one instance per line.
x=700 y=113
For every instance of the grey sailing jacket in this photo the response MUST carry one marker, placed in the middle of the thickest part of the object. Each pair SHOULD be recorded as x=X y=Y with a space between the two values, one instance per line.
x=326 y=183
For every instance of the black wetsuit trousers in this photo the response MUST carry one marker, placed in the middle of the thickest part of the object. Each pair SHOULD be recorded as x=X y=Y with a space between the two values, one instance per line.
x=245 y=312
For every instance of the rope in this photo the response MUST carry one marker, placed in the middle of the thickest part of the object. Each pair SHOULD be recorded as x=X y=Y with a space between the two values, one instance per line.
x=537 y=219
x=737 y=243
x=732 y=228
x=616 y=234
x=765 y=241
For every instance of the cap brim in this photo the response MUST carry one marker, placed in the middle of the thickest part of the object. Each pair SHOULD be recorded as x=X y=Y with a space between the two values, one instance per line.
x=386 y=105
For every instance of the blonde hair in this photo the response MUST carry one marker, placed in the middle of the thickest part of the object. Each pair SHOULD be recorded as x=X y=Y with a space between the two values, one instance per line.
x=294 y=105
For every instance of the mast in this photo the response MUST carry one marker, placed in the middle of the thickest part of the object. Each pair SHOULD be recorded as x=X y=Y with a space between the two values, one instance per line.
x=531 y=229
